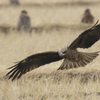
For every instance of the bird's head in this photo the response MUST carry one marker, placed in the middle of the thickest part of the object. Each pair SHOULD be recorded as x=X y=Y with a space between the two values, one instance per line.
x=87 y=11
x=62 y=51
x=24 y=12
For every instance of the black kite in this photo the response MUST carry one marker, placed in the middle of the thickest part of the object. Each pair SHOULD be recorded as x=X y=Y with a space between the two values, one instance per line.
x=72 y=57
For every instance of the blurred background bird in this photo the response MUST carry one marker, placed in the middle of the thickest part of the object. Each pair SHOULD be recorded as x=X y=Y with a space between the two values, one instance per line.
x=87 y=17
x=15 y=2
x=24 y=22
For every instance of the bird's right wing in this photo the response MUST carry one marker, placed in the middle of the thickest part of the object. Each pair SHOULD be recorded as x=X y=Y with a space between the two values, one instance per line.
x=87 y=38
x=32 y=62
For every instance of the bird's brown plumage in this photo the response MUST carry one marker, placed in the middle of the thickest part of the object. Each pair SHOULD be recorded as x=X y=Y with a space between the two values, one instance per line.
x=24 y=22
x=72 y=57
x=87 y=38
x=87 y=17
x=15 y=2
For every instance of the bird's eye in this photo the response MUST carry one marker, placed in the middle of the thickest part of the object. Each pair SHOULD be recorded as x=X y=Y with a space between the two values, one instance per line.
x=64 y=52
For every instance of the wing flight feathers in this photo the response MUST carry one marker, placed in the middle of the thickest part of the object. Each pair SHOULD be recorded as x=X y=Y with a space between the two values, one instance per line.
x=32 y=62
x=87 y=38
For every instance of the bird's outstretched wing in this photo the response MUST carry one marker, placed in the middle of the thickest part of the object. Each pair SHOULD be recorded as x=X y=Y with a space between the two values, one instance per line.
x=32 y=62
x=87 y=38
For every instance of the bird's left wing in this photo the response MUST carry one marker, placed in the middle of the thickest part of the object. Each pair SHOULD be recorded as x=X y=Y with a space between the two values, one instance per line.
x=32 y=62
x=87 y=38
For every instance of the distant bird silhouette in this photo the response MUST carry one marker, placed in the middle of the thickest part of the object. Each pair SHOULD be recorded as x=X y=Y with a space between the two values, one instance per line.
x=87 y=17
x=72 y=57
x=24 y=22
x=15 y=2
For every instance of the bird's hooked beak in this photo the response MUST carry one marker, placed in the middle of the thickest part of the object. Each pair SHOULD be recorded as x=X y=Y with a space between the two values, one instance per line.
x=63 y=54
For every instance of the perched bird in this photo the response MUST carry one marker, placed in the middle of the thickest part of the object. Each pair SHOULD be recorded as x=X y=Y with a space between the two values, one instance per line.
x=24 y=22
x=72 y=57
x=87 y=17
x=15 y=2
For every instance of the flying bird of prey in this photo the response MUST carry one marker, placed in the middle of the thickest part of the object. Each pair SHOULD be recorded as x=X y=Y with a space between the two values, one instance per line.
x=72 y=58
x=87 y=17
x=24 y=22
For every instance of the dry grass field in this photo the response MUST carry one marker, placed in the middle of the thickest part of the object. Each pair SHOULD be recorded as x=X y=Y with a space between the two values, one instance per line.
x=55 y=23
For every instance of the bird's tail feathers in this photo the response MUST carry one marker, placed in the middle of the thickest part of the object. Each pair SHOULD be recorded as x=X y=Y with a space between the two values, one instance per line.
x=81 y=61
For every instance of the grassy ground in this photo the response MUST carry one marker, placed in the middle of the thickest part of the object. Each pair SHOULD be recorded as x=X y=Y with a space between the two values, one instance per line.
x=60 y=26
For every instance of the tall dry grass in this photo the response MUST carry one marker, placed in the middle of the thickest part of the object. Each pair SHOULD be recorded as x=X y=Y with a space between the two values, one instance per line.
x=46 y=83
